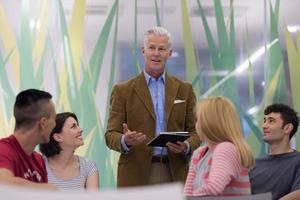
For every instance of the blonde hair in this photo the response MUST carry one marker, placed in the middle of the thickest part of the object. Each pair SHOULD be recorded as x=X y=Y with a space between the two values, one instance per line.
x=217 y=121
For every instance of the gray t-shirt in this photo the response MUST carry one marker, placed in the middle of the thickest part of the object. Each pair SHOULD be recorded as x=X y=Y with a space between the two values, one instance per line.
x=87 y=168
x=279 y=174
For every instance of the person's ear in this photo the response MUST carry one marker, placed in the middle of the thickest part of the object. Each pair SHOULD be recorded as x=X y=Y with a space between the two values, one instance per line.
x=170 y=53
x=43 y=122
x=143 y=50
x=288 y=128
x=57 y=137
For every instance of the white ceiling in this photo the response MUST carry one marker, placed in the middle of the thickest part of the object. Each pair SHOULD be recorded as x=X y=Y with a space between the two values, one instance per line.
x=251 y=16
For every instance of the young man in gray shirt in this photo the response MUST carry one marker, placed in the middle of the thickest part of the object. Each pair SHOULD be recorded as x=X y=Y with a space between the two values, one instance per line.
x=278 y=171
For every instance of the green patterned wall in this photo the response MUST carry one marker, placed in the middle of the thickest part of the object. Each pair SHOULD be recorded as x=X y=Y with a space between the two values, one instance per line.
x=45 y=46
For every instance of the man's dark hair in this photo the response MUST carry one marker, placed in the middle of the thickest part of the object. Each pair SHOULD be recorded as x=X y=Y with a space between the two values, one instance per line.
x=52 y=148
x=30 y=105
x=288 y=115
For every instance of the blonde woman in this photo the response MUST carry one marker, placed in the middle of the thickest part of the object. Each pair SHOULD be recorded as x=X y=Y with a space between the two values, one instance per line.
x=220 y=167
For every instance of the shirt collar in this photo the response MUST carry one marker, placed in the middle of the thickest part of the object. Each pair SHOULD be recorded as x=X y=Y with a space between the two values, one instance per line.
x=148 y=77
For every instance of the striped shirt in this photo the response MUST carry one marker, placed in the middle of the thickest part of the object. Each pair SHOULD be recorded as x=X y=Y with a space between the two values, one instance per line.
x=87 y=168
x=217 y=171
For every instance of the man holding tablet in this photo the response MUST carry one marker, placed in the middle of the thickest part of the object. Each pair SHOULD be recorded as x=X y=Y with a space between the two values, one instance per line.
x=142 y=108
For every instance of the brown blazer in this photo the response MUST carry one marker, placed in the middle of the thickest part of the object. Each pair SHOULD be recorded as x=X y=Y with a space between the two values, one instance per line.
x=131 y=103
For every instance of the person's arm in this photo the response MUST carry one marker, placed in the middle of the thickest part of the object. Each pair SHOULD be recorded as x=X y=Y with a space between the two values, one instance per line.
x=116 y=126
x=116 y=117
x=224 y=167
x=92 y=182
x=7 y=177
x=193 y=142
x=194 y=139
x=295 y=195
x=295 y=187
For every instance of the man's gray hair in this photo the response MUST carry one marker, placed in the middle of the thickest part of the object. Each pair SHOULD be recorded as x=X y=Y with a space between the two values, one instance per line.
x=158 y=31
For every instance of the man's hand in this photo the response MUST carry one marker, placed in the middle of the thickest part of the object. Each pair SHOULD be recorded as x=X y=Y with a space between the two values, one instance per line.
x=132 y=138
x=179 y=147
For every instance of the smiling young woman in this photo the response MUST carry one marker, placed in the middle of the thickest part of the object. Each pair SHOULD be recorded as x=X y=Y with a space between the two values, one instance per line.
x=66 y=170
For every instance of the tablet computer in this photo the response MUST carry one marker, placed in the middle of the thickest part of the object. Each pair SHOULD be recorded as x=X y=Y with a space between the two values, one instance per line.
x=164 y=137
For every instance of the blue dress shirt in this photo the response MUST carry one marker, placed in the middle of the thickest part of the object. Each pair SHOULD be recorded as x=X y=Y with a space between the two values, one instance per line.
x=157 y=91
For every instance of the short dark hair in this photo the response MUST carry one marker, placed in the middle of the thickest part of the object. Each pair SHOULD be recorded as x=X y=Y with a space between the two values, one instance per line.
x=30 y=106
x=288 y=115
x=52 y=148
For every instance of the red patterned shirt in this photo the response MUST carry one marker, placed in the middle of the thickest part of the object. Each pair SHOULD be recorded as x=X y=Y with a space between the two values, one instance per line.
x=14 y=158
